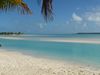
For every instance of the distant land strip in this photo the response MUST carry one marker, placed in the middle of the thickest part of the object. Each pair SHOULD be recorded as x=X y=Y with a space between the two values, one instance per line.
x=88 y=33
x=11 y=33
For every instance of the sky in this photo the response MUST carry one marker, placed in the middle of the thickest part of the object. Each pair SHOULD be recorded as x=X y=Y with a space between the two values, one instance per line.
x=70 y=16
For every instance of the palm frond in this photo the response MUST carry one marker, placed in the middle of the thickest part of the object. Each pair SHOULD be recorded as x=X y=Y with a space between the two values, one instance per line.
x=15 y=4
x=22 y=7
x=5 y=4
x=47 y=9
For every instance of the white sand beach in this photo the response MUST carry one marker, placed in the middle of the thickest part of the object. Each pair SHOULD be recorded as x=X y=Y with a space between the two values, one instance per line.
x=12 y=38
x=14 y=63
x=73 y=40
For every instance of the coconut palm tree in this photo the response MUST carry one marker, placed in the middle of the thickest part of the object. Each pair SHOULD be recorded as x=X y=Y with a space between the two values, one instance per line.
x=22 y=7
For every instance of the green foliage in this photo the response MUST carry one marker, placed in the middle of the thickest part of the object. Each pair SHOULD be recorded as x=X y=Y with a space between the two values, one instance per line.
x=22 y=7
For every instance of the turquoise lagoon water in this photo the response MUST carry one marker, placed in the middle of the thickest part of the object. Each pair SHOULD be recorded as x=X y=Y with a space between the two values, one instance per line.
x=78 y=52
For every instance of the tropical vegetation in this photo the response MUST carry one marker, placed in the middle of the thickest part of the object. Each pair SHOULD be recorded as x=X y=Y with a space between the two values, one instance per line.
x=11 y=33
x=22 y=7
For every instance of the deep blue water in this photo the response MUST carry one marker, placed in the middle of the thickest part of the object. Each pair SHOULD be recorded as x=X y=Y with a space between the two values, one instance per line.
x=85 y=53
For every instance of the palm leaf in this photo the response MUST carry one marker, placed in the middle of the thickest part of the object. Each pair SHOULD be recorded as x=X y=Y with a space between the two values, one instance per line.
x=47 y=9
x=22 y=7
x=14 y=4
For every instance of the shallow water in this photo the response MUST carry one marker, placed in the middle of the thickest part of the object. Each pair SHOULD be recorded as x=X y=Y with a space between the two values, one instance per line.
x=78 y=52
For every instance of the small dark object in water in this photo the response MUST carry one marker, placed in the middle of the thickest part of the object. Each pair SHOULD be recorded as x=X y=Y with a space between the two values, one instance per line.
x=0 y=45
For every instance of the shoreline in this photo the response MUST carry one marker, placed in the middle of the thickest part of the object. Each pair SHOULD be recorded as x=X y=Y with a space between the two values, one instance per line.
x=72 y=40
x=19 y=64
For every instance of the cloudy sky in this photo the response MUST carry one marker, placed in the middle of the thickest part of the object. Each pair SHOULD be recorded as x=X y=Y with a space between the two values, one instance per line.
x=70 y=16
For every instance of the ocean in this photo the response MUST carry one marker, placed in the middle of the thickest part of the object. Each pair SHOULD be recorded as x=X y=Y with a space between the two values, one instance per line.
x=85 y=53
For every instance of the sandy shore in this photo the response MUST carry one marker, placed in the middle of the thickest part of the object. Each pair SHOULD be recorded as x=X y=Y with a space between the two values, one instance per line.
x=12 y=38
x=73 y=40
x=14 y=63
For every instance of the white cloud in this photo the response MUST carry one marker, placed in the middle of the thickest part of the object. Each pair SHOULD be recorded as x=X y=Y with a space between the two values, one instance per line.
x=76 y=18
x=93 y=17
x=87 y=18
